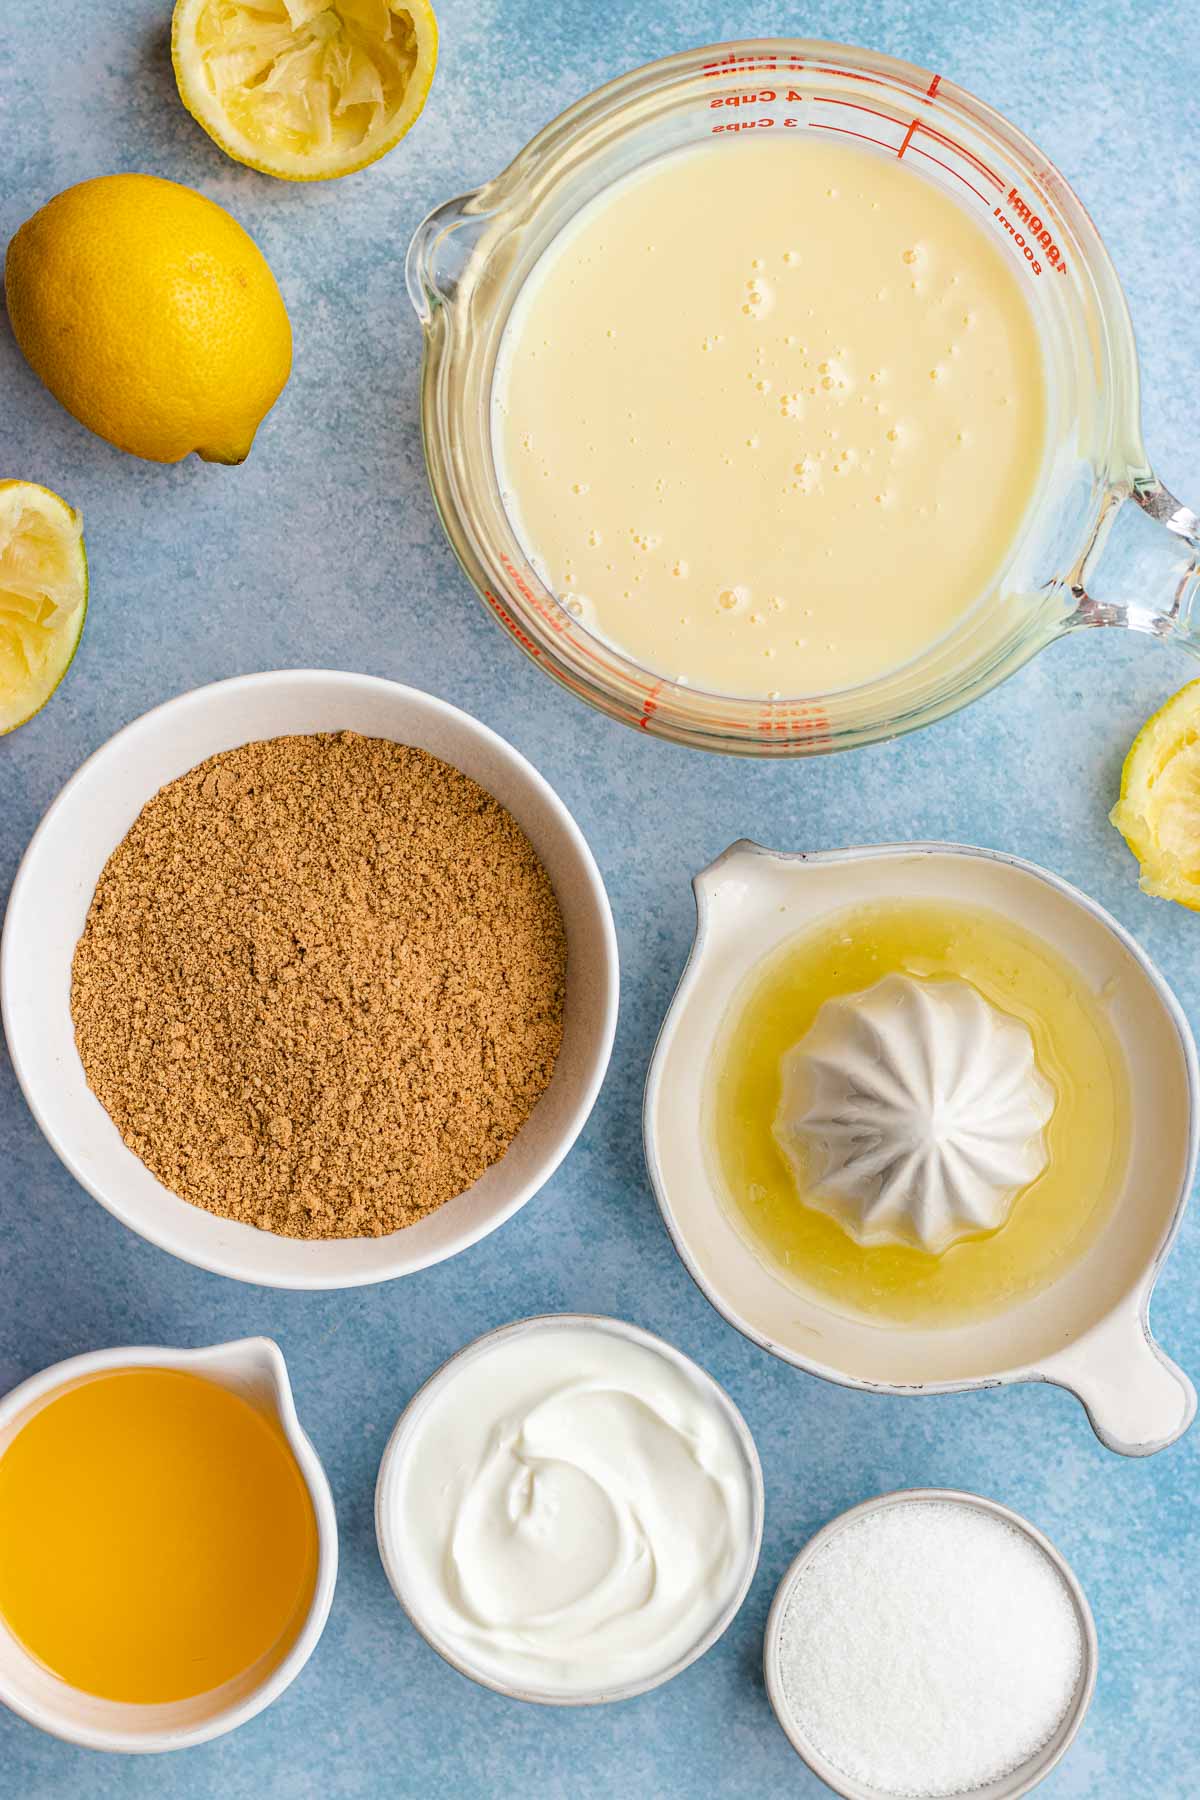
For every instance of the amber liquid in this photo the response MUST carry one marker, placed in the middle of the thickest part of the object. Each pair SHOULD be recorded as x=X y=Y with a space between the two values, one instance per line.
x=156 y=1536
x=1087 y=1138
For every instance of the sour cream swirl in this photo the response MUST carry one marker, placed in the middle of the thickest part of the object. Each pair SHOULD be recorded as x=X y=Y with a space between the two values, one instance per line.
x=575 y=1510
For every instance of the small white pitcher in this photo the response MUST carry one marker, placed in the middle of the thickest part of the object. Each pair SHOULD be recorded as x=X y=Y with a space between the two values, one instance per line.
x=254 y=1369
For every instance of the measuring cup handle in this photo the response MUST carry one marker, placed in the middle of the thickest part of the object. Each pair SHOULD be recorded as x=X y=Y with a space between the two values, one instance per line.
x=1142 y=567
x=439 y=251
x=1137 y=1400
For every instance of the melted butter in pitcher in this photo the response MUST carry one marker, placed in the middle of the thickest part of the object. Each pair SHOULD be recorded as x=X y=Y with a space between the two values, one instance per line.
x=918 y=1114
x=768 y=416
x=157 y=1538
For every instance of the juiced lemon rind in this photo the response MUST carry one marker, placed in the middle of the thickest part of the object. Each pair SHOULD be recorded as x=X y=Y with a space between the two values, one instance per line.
x=306 y=90
x=1158 y=813
x=43 y=597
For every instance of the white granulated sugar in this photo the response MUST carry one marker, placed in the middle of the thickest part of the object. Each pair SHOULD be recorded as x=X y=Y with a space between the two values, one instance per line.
x=929 y=1648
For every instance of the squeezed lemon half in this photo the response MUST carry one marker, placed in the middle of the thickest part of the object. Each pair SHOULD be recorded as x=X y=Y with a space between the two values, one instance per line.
x=304 y=89
x=1158 y=813
x=43 y=597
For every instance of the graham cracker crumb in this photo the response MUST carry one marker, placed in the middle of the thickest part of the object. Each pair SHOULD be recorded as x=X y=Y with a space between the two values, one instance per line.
x=320 y=987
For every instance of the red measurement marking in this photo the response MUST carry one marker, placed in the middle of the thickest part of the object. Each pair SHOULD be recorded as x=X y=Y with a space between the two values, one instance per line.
x=917 y=151
x=1036 y=226
x=650 y=706
x=519 y=581
x=756 y=97
x=918 y=125
x=514 y=630
x=548 y=608
x=731 y=64
x=953 y=144
x=553 y=616
x=907 y=138
x=733 y=126
x=844 y=131
x=866 y=137
x=809 y=722
x=934 y=85
x=856 y=106
x=510 y=624
x=849 y=75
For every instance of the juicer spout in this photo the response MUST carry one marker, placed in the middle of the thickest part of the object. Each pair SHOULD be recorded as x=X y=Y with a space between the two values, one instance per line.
x=1141 y=569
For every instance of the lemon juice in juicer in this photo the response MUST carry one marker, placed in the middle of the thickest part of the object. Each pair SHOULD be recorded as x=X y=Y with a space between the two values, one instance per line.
x=937 y=1051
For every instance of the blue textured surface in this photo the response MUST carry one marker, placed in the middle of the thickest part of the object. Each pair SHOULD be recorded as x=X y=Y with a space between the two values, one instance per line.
x=324 y=550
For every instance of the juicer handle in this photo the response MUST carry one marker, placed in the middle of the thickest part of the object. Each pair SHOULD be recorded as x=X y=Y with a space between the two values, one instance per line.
x=1141 y=569
x=1137 y=1400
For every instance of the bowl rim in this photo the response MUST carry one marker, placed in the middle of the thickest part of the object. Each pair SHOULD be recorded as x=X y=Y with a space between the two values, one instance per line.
x=228 y=1263
x=1139 y=1292
x=397 y=1444
x=41 y=1386
x=1035 y=1768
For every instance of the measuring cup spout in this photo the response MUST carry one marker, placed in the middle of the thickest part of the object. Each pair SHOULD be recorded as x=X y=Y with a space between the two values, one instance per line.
x=1141 y=569
x=438 y=254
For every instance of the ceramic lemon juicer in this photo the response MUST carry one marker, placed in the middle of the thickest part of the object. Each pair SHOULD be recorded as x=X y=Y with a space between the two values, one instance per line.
x=916 y=1111
x=912 y=1175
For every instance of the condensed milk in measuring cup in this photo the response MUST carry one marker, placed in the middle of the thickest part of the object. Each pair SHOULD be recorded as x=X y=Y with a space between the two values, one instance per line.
x=770 y=423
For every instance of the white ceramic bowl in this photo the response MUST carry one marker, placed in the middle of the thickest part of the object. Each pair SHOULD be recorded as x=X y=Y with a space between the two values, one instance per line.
x=1030 y=1772
x=1089 y=1330
x=53 y=891
x=253 y=1368
x=388 y=1510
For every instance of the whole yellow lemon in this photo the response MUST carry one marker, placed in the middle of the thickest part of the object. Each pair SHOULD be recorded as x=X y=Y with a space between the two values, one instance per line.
x=151 y=315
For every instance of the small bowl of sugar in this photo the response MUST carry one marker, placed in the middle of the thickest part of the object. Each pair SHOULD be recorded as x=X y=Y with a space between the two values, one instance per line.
x=930 y=1645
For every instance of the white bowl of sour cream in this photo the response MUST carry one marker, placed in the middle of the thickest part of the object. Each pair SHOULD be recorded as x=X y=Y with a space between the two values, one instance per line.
x=598 y=1515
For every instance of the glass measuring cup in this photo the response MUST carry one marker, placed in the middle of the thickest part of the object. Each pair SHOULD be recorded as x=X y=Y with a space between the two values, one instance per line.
x=1103 y=542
